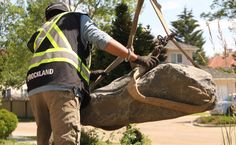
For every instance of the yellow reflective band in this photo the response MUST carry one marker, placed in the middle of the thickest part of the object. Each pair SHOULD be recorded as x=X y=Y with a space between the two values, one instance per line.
x=48 y=22
x=52 y=40
x=38 y=54
x=53 y=23
x=61 y=60
x=40 y=31
x=49 y=31
x=90 y=60
x=54 y=50
x=63 y=37
x=61 y=49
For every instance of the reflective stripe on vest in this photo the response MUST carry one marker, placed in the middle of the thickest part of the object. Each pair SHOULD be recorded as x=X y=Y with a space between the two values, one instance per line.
x=61 y=51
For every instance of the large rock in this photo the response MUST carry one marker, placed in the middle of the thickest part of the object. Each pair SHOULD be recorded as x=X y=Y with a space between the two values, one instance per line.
x=167 y=91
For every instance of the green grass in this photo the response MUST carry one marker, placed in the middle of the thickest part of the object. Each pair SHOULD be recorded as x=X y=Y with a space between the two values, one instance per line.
x=201 y=114
x=216 y=120
x=12 y=142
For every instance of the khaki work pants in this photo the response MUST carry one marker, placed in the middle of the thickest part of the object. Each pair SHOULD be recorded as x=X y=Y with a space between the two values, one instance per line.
x=57 y=112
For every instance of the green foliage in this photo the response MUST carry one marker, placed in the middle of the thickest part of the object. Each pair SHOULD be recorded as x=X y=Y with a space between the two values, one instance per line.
x=200 y=57
x=221 y=9
x=89 y=137
x=13 y=142
x=19 y=23
x=102 y=12
x=120 y=30
x=19 y=20
x=132 y=136
x=8 y=123
x=217 y=120
x=186 y=30
x=227 y=70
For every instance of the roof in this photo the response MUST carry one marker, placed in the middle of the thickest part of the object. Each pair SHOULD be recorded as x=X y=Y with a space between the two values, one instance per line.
x=171 y=46
x=217 y=74
x=221 y=61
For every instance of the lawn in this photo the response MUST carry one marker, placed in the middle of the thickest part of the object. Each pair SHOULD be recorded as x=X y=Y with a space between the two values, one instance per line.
x=13 y=142
x=217 y=120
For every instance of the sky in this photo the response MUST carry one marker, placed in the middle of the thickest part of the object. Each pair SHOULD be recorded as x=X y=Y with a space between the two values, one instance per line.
x=172 y=8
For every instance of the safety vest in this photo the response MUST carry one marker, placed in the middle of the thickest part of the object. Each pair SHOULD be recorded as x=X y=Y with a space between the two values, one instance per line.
x=61 y=50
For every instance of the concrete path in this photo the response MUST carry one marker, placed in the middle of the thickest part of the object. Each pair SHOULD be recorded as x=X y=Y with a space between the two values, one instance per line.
x=179 y=131
x=25 y=132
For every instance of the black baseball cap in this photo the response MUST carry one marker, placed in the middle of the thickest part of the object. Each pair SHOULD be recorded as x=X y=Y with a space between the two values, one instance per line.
x=56 y=7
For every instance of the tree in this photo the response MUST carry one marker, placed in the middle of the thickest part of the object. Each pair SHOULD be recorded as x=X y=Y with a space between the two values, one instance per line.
x=221 y=9
x=187 y=31
x=19 y=23
x=120 y=30
x=20 y=20
x=101 y=11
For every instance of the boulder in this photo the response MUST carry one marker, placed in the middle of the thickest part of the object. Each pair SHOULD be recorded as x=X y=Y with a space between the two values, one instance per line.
x=167 y=91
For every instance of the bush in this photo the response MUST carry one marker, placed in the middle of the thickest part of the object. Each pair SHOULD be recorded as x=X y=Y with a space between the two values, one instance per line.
x=8 y=123
x=132 y=136
x=89 y=137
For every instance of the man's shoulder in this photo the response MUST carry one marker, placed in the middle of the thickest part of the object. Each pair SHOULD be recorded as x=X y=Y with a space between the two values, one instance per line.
x=79 y=14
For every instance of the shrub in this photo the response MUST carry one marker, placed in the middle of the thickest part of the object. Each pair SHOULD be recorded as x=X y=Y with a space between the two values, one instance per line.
x=89 y=137
x=8 y=123
x=132 y=136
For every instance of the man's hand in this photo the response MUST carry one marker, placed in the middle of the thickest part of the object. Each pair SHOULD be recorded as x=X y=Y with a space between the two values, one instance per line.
x=96 y=73
x=148 y=62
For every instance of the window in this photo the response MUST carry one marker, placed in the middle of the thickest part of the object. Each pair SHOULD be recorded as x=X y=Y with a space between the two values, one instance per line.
x=6 y=93
x=176 y=58
x=24 y=92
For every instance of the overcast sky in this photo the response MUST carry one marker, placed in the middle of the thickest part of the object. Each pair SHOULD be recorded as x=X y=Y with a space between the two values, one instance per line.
x=172 y=8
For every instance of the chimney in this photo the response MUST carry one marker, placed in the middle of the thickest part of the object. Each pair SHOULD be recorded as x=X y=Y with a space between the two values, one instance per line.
x=228 y=51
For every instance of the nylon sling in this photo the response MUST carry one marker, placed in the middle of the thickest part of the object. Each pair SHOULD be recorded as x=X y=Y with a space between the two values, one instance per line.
x=61 y=51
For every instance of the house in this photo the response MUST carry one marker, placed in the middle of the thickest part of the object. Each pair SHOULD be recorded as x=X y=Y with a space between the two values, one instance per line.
x=223 y=61
x=174 y=55
x=15 y=93
x=225 y=82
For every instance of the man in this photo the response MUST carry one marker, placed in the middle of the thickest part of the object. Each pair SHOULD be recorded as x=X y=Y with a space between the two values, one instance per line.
x=58 y=76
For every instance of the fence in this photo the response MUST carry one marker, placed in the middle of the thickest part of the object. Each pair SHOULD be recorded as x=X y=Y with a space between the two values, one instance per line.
x=21 y=108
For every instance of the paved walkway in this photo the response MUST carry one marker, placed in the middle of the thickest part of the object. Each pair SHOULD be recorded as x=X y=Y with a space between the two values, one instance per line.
x=25 y=132
x=179 y=131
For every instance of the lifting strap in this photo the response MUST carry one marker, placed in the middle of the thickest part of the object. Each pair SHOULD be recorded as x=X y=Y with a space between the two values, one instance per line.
x=157 y=8
x=119 y=60
x=177 y=106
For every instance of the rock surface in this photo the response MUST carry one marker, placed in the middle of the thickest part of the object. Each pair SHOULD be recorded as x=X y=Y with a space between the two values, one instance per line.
x=113 y=106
